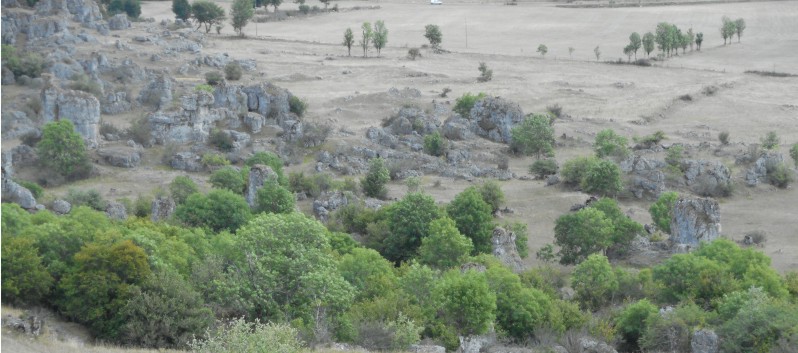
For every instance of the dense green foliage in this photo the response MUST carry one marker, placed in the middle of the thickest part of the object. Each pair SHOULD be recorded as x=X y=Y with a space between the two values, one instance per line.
x=661 y=211
x=30 y=64
x=632 y=321
x=603 y=178
x=594 y=281
x=270 y=159
x=228 y=178
x=466 y=301
x=445 y=247
x=574 y=170
x=241 y=336
x=380 y=36
x=610 y=144
x=25 y=279
x=274 y=198
x=600 y=227
x=61 y=150
x=376 y=178
x=433 y=35
x=408 y=223
x=181 y=188
x=492 y=194
x=218 y=210
x=473 y=218
x=207 y=13
x=435 y=144
x=349 y=40
x=464 y=104
x=130 y=7
x=240 y=13
x=534 y=136
x=544 y=167
x=182 y=9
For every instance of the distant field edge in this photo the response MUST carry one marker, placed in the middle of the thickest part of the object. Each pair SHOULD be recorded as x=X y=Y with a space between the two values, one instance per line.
x=606 y=4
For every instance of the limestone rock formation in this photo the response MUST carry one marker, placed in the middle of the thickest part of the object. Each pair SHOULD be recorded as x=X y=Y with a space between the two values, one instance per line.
x=61 y=207
x=81 y=108
x=116 y=211
x=590 y=345
x=162 y=208
x=704 y=341
x=457 y=128
x=647 y=176
x=328 y=202
x=763 y=164
x=707 y=178
x=695 y=220
x=121 y=156
x=13 y=192
x=187 y=161
x=118 y=22
x=158 y=93
x=16 y=124
x=190 y=124
x=116 y=103
x=417 y=348
x=504 y=248
x=258 y=175
x=493 y=118
x=476 y=344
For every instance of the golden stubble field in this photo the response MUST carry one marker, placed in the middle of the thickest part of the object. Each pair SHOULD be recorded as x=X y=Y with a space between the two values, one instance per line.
x=305 y=56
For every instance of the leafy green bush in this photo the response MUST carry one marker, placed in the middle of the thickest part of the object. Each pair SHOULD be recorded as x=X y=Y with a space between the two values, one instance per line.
x=534 y=136
x=297 y=106
x=142 y=207
x=435 y=144
x=581 y=234
x=521 y=231
x=770 y=141
x=90 y=198
x=464 y=104
x=674 y=155
x=61 y=150
x=304 y=9
x=652 y=140
x=214 y=160
x=376 y=178
x=445 y=247
x=130 y=7
x=723 y=137
x=204 y=88
x=594 y=281
x=30 y=64
x=214 y=78
x=273 y=198
x=633 y=320
x=270 y=159
x=492 y=194
x=610 y=144
x=544 y=167
x=466 y=302
x=219 y=210
x=485 y=74
x=181 y=188
x=473 y=218
x=661 y=211
x=82 y=82
x=574 y=170
x=182 y=9
x=233 y=71
x=220 y=140
x=408 y=223
x=241 y=336
x=228 y=178
x=780 y=175
x=34 y=188
x=602 y=178
x=25 y=279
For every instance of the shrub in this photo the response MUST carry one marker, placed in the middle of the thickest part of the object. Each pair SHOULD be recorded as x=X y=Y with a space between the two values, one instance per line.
x=633 y=320
x=182 y=9
x=544 y=167
x=304 y=9
x=780 y=175
x=492 y=194
x=142 y=207
x=214 y=160
x=445 y=92
x=270 y=159
x=228 y=178
x=770 y=141
x=433 y=34
x=61 y=150
x=794 y=153
x=574 y=170
x=408 y=223
x=31 y=138
x=674 y=155
x=181 y=187
x=297 y=106
x=82 y=82
x=435 y=144
x=273 y=198
x=376 y=178
x=90 y=198
x=651 y=140
x=602 y=178
x=139 y=131
x=464 y=104
x=219 y=210
x=467 y=303
x=608 y=143
x=34 y=188
x=30 y=64
x=521 y=231
x=214 y=78
x=130 y=7
x=25 y=278
x=555 y=110
x=473 y=218
x=241 y=336
x=485 y=74
x=203 y=88
x=233 y=71
x=413 y=53
x=661 y=211
x=534 y=136
x=314 y=134
x=594 y=281
x=723 y=137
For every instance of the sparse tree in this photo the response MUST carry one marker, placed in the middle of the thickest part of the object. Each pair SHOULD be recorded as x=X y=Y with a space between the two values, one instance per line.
x=326 y=3
x=375 y=180
x=542 y=49
x=365 y=40
x=739 y=26
x=627 y=50
x=534 y=136
x=648 y=43
x=241 y=12
x=690 y=38
x=684 y=41
x=380 y=36
x=597 y=51
x=207 y=13
x=274 y=3
x=485 y=74
x=349 y=39
x=770 y=141
x=699 y=38
x=728 y=29
x=635 y=43
x=61 y=150
x=433 y=35
x=182 y=9
x=571 y=52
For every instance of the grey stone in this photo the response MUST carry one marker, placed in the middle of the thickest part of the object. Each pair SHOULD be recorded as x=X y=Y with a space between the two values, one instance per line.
x=707 y=178
x=475 y=344
x=503 y=242
x=457 y=128
x=187 y=161
x=162 y=208
x=191 y=124
x=552 y=180
x=259 y=174
x=382 y=137
x=46 y=28
x=493 y=118
x=116 y=211
x=16 y=123
x=121 y=156
x=81 y=108
x=61 y=207
x=116 y=103
x=695 y=220
x=590 y=345
x=13 y=192
x=254 y=122
x=418 y=348
x=646 y=174
x=158 y=93
x=759 y=171
x=704 y=341
x=7 y=77
x=328 y=202
x=118 y=22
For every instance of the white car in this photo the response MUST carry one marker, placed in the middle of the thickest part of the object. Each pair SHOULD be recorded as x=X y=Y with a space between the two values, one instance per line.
x=436 y=2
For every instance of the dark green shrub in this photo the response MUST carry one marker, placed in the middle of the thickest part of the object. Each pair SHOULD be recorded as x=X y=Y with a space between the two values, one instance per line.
x=413 y=53
x=610 y=144
x=233 y=71
x=770 y=141
x=214 y=78
x=651 y=140
x=214 y=160
x=780 y=175
x=534 y=136
x=464 y=104
x=723 y=137
x=219 y=210
x=376 y=178
x=130 y=7
x=473 y=218
x=574 y=170
x=602 y=178
x=30 y=64
x=182 y=9
x=273 y=198
x=304 y=9
x=228 y=178
x=220 y=140
x=297 y=106
x=90 y=198
x=83 y=83
x=25 y=278
x=633 y=320
x=544 y=167
x=661 y=211
x=674 y=155
x=142 y=207
x=492 y=194
x=181 y=187
x=61 y=150
x=270 y=159
x=34 y=188
x=311 y=186
x=434 y=144
x=485 y=74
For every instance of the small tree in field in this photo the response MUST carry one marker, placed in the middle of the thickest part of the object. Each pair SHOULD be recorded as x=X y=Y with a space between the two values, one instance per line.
x=534 y=136
x=433 y=35
x=542 y=49
x=61 y=150
x=571 y=51
x=597 y=51
x=485 y=74
x=690 y=38
x=207 y=13
x=739 y=27
x=349 y=39
x=365 y=40
x=634 y=43
x=699 y=38
x=241 y=13
x=648 y=43
x=182 y=9
x=728 y=29
x=380 y=36
x=376 y=178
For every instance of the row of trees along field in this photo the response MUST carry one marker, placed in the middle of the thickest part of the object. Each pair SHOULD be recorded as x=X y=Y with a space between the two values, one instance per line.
x=669 y=38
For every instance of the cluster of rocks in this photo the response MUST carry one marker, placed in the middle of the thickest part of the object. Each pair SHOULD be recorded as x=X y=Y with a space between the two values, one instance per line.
x=79 y=107
x=504 y=248
x=695 y=220
x=758 y=172
x=492 y=118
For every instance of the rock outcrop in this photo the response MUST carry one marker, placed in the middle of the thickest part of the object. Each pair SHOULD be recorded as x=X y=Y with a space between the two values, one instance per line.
x=258 y=175
x=647 y=176
x=121 y=156
x=707 y=178
x=695 y=220
x=158 y=93
x=13 y=192
x=16 y=124
x=704 y=341
x=187 y=161
x=162 y=208
x=759 y=171
x=118 y=22
x=505 y=250
x=493 y=118
x=328 y=202
x=476 y=344
x=192 y=123
x=61 y=207
x=116 y=103
x=116 y=211
x=81 y=108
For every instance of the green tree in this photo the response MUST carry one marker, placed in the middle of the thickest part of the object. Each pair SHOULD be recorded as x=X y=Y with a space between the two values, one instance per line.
x=445 y=247
x=473 y=218
x=368 y=272
x=376 y=178
x=739 y=27
x=686 y=276
x=635 y=42
x=699 y=38
x=794 y=153
x=275 y=3
x=574 y=170
x=465 y=302
x=727 y=29
x=624 y=228
x=366 y=37
x=760 y=326
x=182 y=9
x=582 y=233
x=602 y=178
x=633 y=320
x=379 y=36
x=241 y=12
x=648 y=43
x=165 y=312
x=207 y=13
x=25 y=279
x=610 y=144
x=61 y=150
x=219 y=210
x=662 y=37
x=534 y=136
x=433 y=35
x=770 y=141
x=544 y=167
x=662 y=210
x=349 y=39
x=270 y=159
x=464 y=104
x=228 y=178
x=492 y=194
x=274 y=198
x=690 y=38
x=542 y=49
x=519 y=310
x=99 y=287
x=435 y=144
x=408 y=222
x=130 y=7
x=594 y=282
x=181 y=188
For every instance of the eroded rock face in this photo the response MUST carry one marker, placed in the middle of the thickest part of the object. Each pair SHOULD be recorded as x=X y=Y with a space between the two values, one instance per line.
x=118 y=22
x=759 y=170
x=647 y=177
x=158 y=93
x=162 y=208
x=504 y=248
x=81 y=108
x=116 y=211
x=417 y=348
x=328 y=202
x=61 y=207
x=694 y=221
x=16 y=123
x=590 y=345
x=493 y=118
x=116 y=103
x=707 y=178
x=704 y=341
x=13 y=192
x=475 y=344
x=187 y=161
x=191 y=124
x=258 y=175
x=121 y=156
